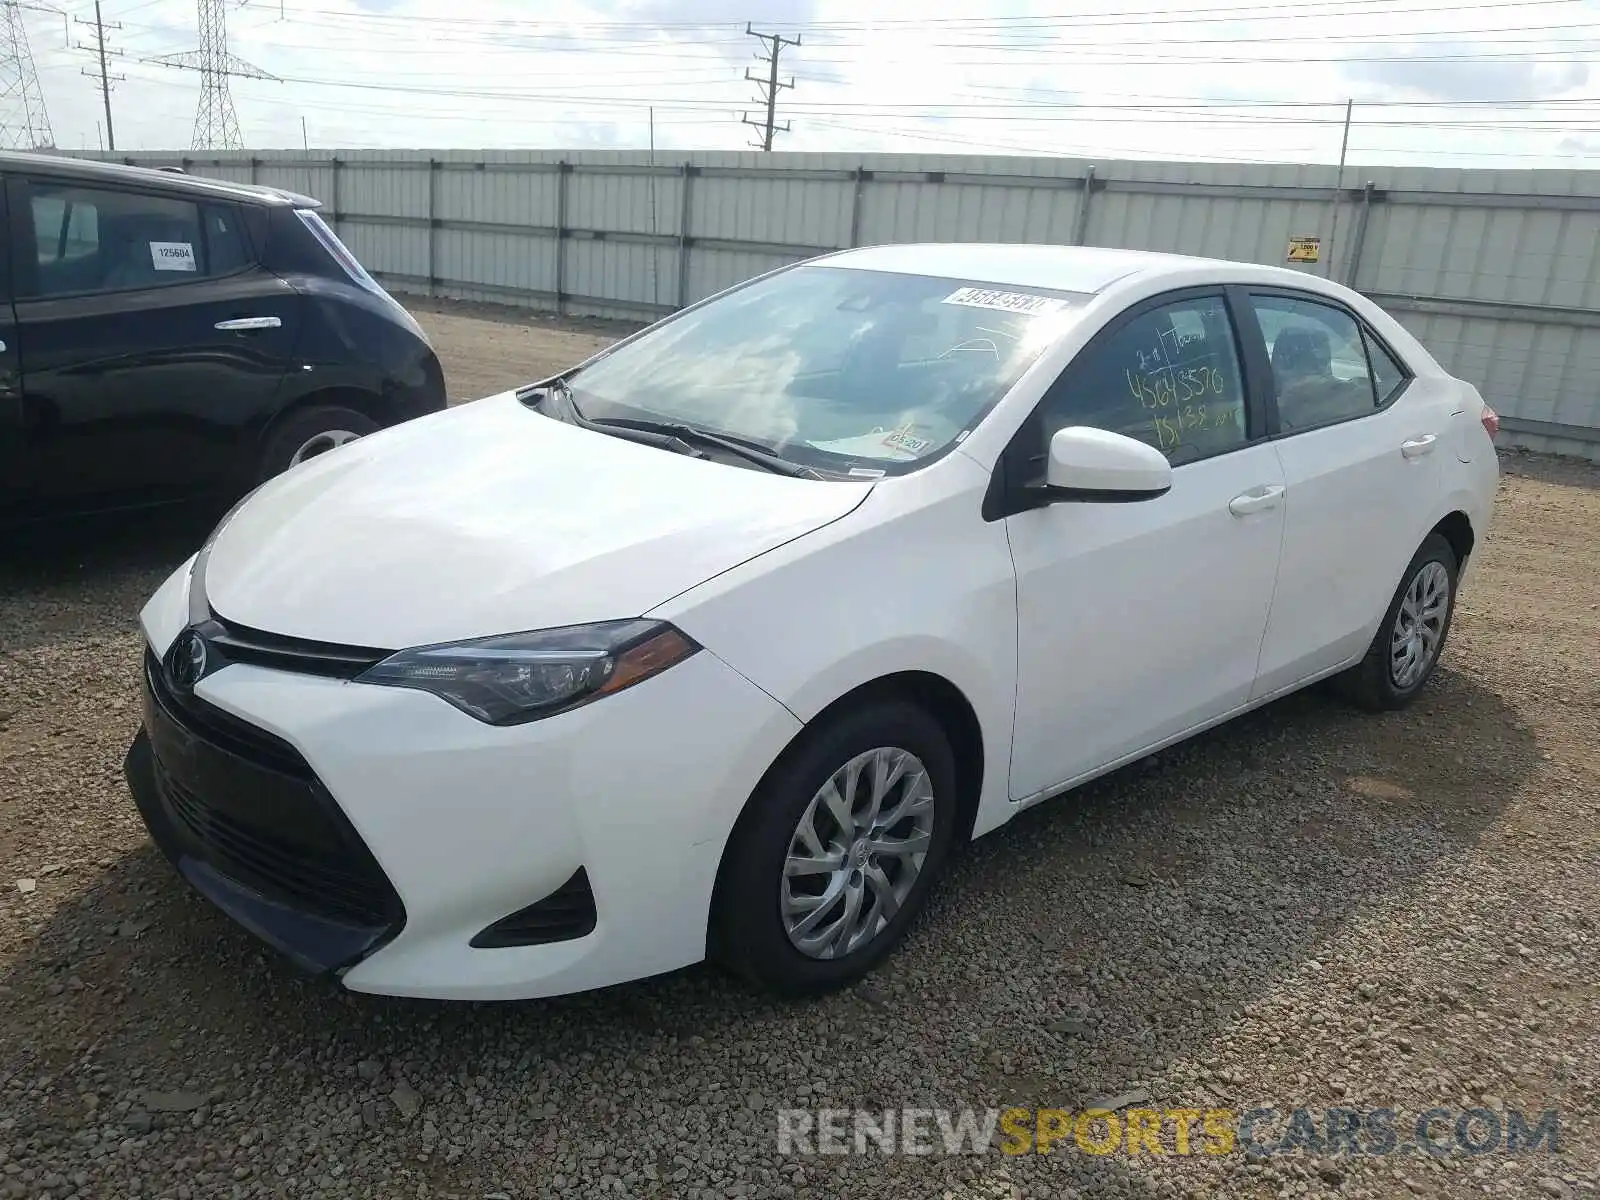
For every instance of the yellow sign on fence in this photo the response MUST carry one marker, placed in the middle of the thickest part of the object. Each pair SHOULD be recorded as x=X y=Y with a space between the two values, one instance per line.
x=1305 y=249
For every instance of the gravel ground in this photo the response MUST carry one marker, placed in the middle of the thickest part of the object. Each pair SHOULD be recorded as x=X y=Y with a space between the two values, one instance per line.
x=1308 y=908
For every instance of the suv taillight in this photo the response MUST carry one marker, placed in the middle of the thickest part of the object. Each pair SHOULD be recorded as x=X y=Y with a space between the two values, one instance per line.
x=1491 y=421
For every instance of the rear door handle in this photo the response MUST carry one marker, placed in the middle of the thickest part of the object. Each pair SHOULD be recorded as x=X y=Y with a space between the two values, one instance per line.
x=1256 y=500
x=1417 y=447
x=244 y=324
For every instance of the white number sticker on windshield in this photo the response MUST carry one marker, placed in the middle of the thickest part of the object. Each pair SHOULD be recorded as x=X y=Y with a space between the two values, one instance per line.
x=904 y=439
x=1014 y=302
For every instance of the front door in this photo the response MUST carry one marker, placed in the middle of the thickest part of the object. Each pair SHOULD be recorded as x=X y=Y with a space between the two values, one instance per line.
x=1360 y=444
x=151 y=339
x=1139 y=621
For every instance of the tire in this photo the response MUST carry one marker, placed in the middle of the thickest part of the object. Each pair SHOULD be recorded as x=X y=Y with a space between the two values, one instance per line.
x=750 y=934
x=1375 y=683
x=298 y=436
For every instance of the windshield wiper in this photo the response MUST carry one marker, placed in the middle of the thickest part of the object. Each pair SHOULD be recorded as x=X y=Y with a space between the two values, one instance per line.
x=705 y=437
x=671 y=435
x=648 y=437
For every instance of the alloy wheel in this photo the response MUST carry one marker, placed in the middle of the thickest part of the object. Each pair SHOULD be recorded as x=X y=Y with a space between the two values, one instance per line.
x=857 y=852
x=1419 y=625
x=321 y=443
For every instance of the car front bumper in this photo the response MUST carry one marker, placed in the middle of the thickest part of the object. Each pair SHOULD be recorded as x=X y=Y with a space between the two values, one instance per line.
x=375 y=832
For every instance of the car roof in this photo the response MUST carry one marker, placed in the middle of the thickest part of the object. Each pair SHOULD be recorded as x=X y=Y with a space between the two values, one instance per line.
x=92 y=171
x=1087 y=269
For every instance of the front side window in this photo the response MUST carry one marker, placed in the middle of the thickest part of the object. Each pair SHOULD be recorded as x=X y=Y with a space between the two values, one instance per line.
x=91 y=240
x=1168 y=376
x=832 y=367
x=1319 y=362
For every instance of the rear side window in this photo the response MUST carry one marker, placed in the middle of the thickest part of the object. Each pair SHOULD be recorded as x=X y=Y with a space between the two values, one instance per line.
x=89 y=240
x=1320 y=367
x=225 y=247
x=1168 y=376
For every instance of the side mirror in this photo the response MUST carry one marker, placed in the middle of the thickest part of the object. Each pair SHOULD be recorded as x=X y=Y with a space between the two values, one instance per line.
x=1096 y=464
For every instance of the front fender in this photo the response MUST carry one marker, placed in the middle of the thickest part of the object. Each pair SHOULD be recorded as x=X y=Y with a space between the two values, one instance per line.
x=912 y=580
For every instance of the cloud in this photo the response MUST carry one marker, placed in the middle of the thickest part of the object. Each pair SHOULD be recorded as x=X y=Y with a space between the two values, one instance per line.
x=1484 y=79
x=776 y=16
x=1098 y=79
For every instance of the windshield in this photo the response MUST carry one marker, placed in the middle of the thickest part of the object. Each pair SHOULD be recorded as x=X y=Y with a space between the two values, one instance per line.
x=845 y=370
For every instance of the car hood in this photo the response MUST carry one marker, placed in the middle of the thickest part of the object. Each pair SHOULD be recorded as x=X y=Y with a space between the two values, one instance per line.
x=491 y=518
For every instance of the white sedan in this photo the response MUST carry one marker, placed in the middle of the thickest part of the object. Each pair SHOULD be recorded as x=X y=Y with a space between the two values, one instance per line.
x=716 y=643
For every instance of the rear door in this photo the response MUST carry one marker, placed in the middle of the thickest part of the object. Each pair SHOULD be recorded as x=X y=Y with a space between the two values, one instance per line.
x=1361 y=443
x=153 y=343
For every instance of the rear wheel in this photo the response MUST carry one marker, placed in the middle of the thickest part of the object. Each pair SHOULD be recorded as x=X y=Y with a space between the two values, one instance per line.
x=835 y=856
x=308 y=433
x=1411 y=637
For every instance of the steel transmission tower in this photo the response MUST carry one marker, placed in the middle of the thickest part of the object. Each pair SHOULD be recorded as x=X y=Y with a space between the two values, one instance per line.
x=216 y=125
x=24 y=124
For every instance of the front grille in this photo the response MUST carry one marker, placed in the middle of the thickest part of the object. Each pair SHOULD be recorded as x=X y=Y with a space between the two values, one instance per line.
x=247 y=803
x=242 y=644
x=565 y=914
x=223 y=729
x=329 y=885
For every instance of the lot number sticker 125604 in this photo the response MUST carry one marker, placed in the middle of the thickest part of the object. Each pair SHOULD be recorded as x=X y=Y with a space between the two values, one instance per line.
x=172 y=256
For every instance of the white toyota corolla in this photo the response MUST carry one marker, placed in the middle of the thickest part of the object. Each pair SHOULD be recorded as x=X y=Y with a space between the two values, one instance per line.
x=716 y=643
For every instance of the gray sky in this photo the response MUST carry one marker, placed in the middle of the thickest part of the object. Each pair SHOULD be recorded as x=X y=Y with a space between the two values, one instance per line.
x=1105 y=78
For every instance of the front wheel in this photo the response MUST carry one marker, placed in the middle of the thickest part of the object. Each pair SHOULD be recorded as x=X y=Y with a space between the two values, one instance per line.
x=1411 y=637
x=835 y=855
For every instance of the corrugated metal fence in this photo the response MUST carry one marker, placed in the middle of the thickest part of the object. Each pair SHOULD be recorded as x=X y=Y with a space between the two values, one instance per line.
x=1497 y=272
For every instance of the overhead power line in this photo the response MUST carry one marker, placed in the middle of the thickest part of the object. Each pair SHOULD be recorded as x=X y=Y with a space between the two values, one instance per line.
x=769 y=87
x=1272 y=12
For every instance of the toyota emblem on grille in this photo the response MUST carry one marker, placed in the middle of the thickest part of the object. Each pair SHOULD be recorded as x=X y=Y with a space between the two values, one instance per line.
x=186 y=662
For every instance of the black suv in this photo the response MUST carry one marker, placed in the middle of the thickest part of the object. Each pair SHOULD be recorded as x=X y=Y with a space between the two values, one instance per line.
x=163 y=336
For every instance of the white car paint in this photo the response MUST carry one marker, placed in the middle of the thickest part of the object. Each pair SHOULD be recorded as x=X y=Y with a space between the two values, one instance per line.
x=1082 y=635
x=545 y=524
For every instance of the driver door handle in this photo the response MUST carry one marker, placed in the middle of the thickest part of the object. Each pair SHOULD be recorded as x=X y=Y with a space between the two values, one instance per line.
x=1256 y=500
x=1417 y=447
x=244 y=324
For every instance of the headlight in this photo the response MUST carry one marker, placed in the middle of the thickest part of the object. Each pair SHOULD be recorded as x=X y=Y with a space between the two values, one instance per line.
x=524 y=676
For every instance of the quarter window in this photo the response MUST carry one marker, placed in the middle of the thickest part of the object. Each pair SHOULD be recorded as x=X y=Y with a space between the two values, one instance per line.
x=91 y=240
x=1169 y=376
x=1320 y=369
x=1387 y=375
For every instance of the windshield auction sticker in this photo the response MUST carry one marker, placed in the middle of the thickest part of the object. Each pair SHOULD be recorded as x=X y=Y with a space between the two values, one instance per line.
x=1022 y=303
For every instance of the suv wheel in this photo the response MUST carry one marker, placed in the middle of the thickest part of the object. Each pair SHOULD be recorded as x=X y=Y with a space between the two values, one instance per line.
x=304 y=435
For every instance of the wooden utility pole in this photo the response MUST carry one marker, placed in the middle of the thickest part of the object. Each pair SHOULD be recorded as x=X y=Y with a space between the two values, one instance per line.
x=1338 y=191
x=106 y=79
x=773 y=44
